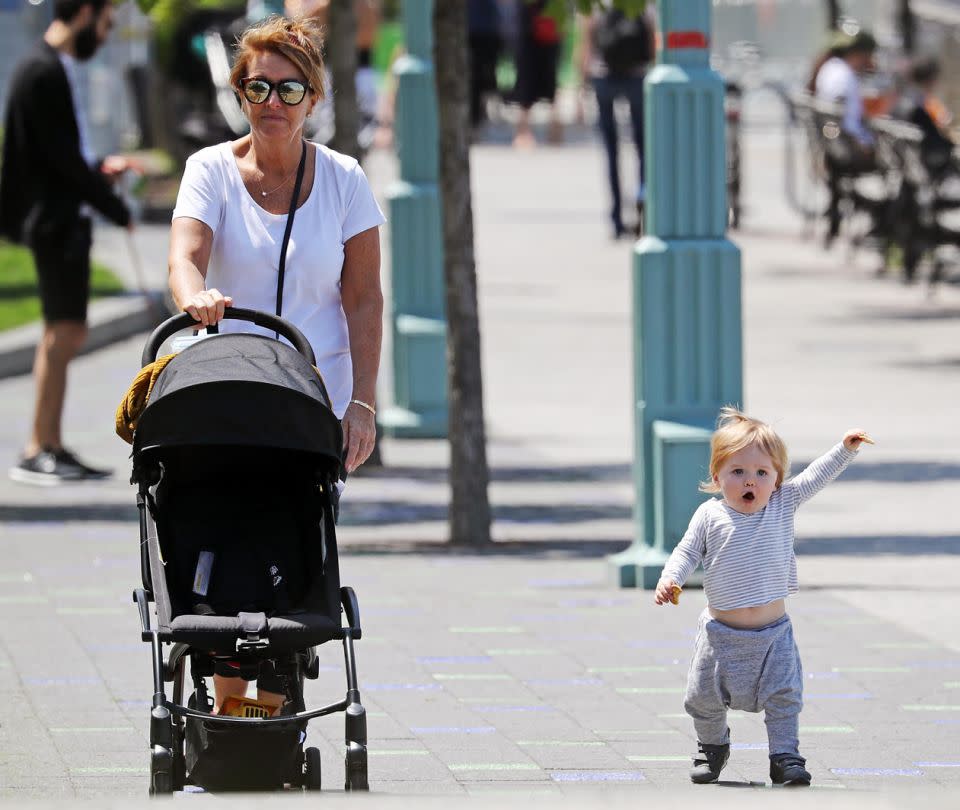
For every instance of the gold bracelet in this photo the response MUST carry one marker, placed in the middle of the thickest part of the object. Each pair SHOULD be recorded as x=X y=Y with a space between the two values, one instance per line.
x=363 y=404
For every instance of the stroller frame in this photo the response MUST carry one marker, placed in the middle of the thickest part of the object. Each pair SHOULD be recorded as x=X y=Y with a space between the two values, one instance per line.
x=169 y=715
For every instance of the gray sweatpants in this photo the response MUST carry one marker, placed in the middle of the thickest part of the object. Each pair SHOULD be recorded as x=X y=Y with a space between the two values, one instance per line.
x=747 y=670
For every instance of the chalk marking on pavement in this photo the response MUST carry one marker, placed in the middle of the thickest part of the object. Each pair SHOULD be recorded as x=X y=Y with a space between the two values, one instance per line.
x=872 y=669
x=598 y=776
x=748 y=747
x=937 y=764
x=26 y=576
x=472 y=676
x=601 y=670
x=916 y=707
x=508 y=629
x=877 y=771
x=951 y=684
x=398 y=752
x=660 y=645
x=487 y=700
x=563 y=743
x=662 y=758
x=827 y=730
x=455 y=659
x=23 y=600
x=611 y=732
x=523 y=651
x=492 y=709
x=899 y=645
x=453 y=729
x=493 y=766
x=91 y=729
x=394 y=687
x=838 y=695
x=75 y=681
x=651 y=690
x=675 y=715
x=564 y=682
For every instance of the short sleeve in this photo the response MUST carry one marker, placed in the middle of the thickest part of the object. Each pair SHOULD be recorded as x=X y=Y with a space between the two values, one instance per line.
x=201 y=194
x=360 y=209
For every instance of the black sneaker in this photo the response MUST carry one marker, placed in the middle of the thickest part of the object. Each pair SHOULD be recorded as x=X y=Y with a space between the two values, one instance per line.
x=87 y=473
x=52 y=467
x=788 y=769
x=708 y=764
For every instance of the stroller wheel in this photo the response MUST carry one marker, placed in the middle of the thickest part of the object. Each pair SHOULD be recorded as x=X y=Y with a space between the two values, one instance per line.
x=161 y=771
x=356 y=767
x=311 y=769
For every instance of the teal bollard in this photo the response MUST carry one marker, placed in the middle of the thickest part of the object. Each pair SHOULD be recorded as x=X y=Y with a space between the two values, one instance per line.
x=687 y=338
x=418 y=324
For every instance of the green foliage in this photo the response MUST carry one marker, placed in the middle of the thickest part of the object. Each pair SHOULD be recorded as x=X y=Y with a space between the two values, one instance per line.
x=19 y=299
x=560 y=9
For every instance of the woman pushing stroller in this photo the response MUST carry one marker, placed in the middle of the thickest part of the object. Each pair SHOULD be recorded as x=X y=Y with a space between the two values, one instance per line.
x=274 y=223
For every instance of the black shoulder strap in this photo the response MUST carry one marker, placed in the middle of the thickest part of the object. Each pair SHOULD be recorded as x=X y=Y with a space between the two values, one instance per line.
x=286 y=233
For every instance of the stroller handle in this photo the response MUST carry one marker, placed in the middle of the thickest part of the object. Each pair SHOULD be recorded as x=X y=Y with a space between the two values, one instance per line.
x=264 y=319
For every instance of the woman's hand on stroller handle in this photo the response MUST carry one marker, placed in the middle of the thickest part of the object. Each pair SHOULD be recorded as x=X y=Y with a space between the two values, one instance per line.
x=207 y=307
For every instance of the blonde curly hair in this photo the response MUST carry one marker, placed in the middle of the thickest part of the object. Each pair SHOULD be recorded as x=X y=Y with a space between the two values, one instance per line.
x=737 y=431
x=299 y=39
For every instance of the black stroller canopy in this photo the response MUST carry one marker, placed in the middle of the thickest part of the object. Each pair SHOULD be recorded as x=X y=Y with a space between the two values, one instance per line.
x=240 y=390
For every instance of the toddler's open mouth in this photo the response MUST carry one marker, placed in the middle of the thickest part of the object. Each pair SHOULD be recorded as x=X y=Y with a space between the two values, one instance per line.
x=748 y=496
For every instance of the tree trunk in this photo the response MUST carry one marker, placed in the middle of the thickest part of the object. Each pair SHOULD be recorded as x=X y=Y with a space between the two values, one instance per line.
x=469 y=475
x=833 y=14
x=342 y=61
x=907 y=26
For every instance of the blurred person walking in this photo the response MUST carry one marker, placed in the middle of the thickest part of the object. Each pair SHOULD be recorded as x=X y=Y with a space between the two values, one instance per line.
x=49 y=177
x=537 y=60
x=616 y=52
x=483 y=26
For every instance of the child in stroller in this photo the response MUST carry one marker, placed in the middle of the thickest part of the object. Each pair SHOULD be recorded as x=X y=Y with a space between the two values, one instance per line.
x=236 y=455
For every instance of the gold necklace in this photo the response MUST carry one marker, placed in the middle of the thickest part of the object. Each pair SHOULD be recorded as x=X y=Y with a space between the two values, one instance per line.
x=285 y=180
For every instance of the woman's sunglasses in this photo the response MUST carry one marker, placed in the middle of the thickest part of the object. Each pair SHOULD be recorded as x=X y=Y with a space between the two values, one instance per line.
x=289 y=91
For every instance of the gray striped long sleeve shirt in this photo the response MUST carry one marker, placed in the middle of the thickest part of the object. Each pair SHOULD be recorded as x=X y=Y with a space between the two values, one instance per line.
x=748 y=560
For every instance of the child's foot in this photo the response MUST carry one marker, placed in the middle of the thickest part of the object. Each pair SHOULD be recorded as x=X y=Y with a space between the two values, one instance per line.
x=708 y=764
x=788 y=769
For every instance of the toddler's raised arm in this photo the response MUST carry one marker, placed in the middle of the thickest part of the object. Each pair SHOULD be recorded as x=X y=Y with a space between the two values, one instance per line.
x=820 y=473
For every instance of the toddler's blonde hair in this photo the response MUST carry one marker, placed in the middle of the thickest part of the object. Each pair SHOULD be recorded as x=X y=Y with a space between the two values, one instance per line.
x=737 y=431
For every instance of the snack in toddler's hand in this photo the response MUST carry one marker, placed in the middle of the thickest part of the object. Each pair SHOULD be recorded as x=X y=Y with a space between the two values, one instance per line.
x=675 y=594
x=865 y=438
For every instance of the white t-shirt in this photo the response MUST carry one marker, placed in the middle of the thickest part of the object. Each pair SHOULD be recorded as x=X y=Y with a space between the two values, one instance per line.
x=837 y=83
x=245 y=257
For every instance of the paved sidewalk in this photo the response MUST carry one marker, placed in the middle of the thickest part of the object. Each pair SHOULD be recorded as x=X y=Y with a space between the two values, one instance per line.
x=521 y=673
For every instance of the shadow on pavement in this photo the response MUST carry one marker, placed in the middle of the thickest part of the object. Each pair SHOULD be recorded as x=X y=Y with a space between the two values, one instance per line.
x=910 y=545
x=508 y=475
x=894 y=472
x=69 y=512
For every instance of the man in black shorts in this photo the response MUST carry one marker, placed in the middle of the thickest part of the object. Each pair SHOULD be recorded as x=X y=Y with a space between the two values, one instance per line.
x=49 y=177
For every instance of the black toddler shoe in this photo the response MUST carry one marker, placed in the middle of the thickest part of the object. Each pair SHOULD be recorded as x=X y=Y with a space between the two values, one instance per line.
x=788 y=769
x=708 y=763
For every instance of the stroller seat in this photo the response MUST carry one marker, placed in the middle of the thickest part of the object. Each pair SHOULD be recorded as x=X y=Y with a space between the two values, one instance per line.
x=219 y=634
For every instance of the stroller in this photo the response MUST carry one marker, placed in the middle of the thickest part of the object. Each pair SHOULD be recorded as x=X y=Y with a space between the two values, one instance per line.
x=236 y=457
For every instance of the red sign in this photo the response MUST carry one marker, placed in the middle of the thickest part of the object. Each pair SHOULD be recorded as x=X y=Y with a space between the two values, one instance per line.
x=677 y=40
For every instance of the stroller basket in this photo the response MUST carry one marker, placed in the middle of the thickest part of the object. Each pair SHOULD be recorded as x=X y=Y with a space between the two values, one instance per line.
x=236 y=457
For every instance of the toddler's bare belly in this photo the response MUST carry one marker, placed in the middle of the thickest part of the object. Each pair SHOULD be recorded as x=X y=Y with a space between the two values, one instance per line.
x=751 y=617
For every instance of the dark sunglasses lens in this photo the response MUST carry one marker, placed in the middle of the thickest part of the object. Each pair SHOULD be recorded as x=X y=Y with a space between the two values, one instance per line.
x=256 y=91
x=291 y=92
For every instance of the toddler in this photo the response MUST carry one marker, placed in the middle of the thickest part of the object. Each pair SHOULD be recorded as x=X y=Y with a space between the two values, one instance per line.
x=745 y=657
